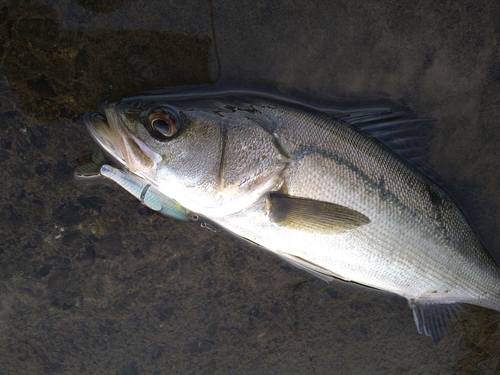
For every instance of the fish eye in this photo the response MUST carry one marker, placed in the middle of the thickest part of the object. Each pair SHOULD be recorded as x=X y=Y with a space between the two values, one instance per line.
x=163 y=124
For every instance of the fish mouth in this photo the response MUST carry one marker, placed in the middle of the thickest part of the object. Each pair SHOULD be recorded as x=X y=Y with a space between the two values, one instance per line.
x=110 y=133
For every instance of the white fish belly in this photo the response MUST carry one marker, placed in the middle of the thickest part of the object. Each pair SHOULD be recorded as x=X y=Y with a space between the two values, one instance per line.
x=399 y=251
x=373 y=257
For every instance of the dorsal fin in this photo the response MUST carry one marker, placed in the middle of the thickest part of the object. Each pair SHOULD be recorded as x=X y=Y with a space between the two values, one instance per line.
x=404 y=132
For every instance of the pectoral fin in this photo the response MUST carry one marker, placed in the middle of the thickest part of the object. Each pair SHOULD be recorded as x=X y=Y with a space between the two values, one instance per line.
x=312 y=215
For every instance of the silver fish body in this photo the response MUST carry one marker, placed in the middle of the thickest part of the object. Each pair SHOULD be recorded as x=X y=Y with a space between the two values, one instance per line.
x=311 y=188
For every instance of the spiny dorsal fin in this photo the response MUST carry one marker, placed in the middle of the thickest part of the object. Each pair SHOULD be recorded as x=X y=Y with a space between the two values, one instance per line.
x=312 y=215
x=435 y=319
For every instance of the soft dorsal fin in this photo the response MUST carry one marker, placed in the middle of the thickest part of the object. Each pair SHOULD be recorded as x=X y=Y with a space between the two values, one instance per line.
x=435 y=319
x=312 y=215
x=404 y=132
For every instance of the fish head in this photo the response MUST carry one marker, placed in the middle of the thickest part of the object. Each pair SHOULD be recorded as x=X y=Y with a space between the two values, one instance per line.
x=212 y=157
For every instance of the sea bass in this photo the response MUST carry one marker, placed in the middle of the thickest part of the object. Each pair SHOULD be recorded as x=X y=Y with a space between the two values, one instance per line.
x=308 y=186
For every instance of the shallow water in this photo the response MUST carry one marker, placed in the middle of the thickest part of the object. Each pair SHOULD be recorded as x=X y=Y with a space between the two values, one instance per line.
x=91 y=282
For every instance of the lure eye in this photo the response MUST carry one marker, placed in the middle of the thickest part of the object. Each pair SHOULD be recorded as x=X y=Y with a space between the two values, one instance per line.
x=163 y=125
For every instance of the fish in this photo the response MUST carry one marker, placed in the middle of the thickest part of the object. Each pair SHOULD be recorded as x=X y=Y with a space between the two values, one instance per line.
x=309 y=185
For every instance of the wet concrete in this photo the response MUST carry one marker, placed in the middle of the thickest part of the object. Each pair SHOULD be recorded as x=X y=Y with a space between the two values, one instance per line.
x=91 y=282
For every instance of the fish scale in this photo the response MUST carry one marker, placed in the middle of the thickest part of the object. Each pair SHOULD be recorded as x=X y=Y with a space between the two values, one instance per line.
x=311 y=188
x=406 y=198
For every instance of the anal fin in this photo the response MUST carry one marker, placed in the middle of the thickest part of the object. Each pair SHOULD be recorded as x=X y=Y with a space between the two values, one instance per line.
x=435 y=319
